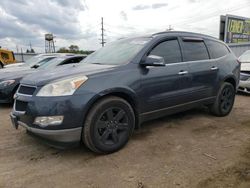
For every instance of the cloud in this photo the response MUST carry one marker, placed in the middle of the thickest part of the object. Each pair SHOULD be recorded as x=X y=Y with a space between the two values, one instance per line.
x=70 y=3
x=123 y=15
x=141 y=7
x=78 y=21
x=24 y=20
x=159 y=5
x=152 y=6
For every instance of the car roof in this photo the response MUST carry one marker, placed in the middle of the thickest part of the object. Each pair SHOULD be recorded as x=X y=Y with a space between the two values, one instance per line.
x=62 y=55
x=70 y=56
x=182 y=33
x=175 y=34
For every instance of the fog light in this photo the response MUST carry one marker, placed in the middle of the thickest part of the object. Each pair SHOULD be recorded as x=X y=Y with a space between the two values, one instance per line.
x=45 y=121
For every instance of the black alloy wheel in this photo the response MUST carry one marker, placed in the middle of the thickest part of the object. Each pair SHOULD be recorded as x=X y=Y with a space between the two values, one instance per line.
x=112 y=126
x=109 y=125
x=224 y=100
x=227 y=99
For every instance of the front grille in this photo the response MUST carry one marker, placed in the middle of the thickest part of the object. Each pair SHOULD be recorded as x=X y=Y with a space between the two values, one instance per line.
x=26 y=90
x=20 y=106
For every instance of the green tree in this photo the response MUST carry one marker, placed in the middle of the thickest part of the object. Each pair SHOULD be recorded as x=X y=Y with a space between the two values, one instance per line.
x=73 y=48
x=63 y=50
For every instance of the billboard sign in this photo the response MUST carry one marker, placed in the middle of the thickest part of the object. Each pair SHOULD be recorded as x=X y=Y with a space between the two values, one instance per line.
x=236 y=29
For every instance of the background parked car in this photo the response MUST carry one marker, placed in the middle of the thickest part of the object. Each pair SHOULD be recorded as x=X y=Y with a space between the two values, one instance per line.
x=36 y=59
x=10 y=78
x=244 y=85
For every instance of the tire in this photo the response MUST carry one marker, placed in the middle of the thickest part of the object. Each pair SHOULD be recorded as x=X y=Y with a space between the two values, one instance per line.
x=224 y=101
x=108 y=125
x=1 y=65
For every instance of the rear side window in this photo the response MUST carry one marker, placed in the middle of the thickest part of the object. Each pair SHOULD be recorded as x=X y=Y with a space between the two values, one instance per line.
x=169 y=50
x=216 y=49
x=194 y=51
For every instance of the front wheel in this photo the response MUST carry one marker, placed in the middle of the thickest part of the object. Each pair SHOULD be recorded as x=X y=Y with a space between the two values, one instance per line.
x=224 y=100
x=108 y=125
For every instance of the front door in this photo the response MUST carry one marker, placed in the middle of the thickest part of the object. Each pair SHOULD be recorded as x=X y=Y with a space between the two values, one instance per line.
x=166 y=86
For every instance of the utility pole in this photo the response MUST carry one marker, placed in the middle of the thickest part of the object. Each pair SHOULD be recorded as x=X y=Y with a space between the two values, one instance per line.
x=30 y=47
x=102 y=29
x=17 y=50
x=22 y=54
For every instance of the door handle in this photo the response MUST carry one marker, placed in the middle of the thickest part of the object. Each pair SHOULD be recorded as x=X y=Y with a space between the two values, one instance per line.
x=183 y=72
x=214 y=68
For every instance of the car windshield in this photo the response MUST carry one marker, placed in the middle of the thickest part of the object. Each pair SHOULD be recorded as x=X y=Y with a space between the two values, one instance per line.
x=36 y=60
x=52 y=63
x=245 y=57
x=118 y=52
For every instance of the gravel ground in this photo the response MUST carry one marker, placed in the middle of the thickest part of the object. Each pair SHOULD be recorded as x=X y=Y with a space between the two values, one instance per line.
x=190 y=149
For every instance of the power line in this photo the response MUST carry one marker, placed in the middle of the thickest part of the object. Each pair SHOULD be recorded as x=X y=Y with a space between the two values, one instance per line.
x=210 y=15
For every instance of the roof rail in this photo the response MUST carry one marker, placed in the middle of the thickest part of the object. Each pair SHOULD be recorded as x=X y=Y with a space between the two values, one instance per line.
x=159 y=33
x=184 y=32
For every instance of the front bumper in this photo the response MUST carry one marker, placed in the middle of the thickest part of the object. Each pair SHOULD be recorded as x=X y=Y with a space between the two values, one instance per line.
x=244 y=86
x=73 y=108
x=57 y=138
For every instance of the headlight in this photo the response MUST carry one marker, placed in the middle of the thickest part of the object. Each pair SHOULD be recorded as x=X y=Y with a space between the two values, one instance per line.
x=62 y=87
x=6 y=83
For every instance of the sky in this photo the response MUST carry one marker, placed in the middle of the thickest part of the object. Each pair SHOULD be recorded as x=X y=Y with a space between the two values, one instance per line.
x=78 y=22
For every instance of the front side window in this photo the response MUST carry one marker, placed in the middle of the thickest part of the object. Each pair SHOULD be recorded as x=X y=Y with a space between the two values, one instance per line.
x=169 y=50
x=194 y=51
x=216 y=49
x=36 y=60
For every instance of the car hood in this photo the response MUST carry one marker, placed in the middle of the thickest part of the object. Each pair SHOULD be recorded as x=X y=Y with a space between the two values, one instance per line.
x=245 y=66
x=14 y=69
x=13 y=73
x=13 y=65
x=65 y=71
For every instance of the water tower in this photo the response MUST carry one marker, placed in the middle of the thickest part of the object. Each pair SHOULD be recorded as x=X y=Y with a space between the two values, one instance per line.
x=49 y=43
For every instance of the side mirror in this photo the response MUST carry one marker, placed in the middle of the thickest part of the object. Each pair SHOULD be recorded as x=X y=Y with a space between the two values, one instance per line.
x=153 y=60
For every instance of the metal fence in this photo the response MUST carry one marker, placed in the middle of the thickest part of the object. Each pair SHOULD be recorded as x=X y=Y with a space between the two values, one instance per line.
x=21 y=57
x=239 y=49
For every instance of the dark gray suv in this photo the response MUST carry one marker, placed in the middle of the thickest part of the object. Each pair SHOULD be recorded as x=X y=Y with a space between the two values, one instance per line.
x=101 y=101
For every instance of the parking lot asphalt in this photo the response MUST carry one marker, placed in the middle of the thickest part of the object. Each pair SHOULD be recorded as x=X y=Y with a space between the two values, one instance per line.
x=189 y=149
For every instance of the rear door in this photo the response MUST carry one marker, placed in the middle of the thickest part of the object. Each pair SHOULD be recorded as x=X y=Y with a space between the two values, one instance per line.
x=167 y=86
x=202 y=69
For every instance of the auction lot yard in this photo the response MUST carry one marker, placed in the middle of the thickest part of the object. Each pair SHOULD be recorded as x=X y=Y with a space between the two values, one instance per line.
x=190 y=149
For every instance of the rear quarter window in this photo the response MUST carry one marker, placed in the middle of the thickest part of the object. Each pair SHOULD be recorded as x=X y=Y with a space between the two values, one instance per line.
x=216 y=49
x=194 y=51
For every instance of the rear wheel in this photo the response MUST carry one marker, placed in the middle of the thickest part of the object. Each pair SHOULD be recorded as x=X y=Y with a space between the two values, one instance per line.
x=108 y=125
x=224 y=100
